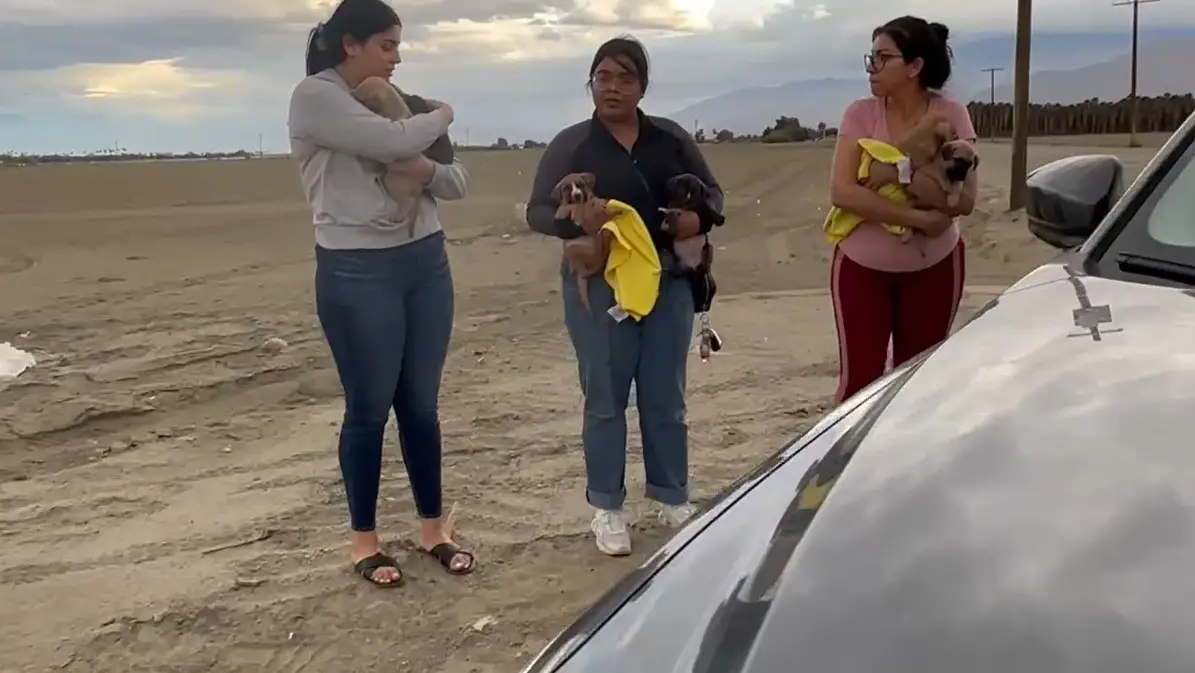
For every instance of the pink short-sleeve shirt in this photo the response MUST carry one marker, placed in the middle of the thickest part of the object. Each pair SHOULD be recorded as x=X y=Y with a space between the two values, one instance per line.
x=869 y=244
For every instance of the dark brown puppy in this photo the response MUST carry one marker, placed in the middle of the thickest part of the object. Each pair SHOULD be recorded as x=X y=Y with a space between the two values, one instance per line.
x=695 y=254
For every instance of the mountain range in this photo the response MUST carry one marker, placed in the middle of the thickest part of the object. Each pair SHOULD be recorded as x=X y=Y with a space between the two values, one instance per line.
x=1066 y=68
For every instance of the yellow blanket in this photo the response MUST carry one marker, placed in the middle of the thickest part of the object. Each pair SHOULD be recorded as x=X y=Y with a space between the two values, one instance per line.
x=633 y=267
x=840 y=223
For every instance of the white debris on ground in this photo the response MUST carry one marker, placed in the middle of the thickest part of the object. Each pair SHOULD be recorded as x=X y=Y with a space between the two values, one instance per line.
x=13 y=361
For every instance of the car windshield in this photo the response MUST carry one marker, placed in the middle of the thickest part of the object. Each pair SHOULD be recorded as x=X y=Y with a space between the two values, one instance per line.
x=1157 y=242
x=1171 y=220
x=1168 y=215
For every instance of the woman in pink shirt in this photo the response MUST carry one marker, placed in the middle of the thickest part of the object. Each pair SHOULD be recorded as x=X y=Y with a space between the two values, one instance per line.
x=885 y=289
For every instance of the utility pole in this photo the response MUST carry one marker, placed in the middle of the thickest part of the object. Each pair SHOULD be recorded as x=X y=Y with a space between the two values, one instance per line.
x=992 y=74
x=1136 y=5
x=1020 y=106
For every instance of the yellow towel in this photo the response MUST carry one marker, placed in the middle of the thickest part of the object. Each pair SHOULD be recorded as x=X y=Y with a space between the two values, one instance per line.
x=633 y=268
x=840 y=223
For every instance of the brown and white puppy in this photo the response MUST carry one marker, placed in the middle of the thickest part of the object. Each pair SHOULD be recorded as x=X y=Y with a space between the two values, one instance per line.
x=586 y=254
x=383 y=98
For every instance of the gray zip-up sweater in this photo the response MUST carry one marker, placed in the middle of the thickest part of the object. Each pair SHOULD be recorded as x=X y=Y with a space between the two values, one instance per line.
x=343 y=149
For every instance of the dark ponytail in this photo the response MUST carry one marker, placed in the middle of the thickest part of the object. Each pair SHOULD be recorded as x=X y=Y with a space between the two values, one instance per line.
x=357 y=20
x=319 y=58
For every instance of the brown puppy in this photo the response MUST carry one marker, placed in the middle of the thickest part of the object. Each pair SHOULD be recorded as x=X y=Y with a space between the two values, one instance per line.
x=586 y=254
x=382 y=98
x=923 y=142
x=933 y=148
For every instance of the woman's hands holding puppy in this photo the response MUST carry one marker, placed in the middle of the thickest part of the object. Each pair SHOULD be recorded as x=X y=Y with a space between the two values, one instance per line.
x=443 y=108
x=420 y=169
x=928 y=222
x=880 y=174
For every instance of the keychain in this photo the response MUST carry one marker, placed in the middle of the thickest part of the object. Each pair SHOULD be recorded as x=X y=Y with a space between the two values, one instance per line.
x=708 y=340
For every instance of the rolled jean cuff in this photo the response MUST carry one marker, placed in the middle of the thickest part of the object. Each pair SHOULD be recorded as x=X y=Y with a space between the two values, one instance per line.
x=606 y=501
x=668 y=496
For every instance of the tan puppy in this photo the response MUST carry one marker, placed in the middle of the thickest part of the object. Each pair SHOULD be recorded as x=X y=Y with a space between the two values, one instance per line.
x=934 y=148
x=956 y=160
x=586 y=254
x=382 y=98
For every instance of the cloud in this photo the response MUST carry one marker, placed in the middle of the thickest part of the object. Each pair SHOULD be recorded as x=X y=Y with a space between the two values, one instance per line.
x=510 y=67
x=630 y=14
x=47 y=46
x=857 y=18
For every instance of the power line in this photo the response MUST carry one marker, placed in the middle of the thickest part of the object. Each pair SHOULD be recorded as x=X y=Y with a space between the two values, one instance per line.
x=1136 y=5
x=1020 y=106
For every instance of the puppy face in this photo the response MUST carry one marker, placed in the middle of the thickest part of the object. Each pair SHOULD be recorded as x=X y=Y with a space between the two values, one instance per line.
x=574 y=192
x=686 y=191
x=958 y=158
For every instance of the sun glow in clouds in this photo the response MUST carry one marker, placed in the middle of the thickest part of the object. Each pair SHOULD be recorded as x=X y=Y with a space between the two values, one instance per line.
x=158 y=87
x=149 y=80
x=697 y=12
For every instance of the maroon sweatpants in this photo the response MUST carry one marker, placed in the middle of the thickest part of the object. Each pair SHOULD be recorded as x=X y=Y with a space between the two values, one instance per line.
x=915 y=310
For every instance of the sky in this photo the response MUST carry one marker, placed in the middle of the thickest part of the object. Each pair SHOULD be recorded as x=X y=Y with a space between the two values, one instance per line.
x=215 y=75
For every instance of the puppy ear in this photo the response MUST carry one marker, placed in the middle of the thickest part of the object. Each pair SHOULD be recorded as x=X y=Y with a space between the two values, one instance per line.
x=561 y=189
x=589 y=179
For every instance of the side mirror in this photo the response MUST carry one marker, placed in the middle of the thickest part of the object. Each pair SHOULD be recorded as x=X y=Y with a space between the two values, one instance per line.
x=1068 y=198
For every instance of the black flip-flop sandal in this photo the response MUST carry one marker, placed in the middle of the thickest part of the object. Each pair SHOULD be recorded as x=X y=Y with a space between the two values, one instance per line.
x=369 y=565
x=445 y=552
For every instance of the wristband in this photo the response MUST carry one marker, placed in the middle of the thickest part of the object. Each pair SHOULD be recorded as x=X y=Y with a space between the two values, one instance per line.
x=904 y=171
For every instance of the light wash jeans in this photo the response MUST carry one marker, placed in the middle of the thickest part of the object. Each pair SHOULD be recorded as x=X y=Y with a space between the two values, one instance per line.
x=652 y=353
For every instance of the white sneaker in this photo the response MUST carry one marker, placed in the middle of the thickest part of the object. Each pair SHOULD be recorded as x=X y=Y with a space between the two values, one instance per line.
x=676 y=515
x=613 y=538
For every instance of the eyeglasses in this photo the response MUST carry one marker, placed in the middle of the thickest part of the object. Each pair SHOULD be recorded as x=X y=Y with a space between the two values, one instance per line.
x=874 y=62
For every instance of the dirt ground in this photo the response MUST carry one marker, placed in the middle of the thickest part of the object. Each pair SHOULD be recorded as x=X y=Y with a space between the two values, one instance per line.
x=159 y=428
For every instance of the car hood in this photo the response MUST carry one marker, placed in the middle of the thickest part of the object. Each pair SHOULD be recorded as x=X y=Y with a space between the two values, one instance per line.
x=1020 y=499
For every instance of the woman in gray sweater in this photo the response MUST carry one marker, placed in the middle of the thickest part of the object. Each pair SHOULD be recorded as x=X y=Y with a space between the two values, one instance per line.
x=383 y=289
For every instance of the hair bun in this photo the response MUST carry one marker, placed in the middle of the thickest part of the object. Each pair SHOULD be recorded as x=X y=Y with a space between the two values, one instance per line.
x=941 y=31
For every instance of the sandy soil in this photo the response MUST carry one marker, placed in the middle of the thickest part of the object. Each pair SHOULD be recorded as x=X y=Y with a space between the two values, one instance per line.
x=160 y=427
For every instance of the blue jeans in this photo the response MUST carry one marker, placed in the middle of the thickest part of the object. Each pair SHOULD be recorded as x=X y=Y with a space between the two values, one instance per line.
x=610 y=355
x=387 y=315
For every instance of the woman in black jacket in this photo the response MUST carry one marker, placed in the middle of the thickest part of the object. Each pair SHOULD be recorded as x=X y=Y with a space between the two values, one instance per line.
x=632 y=156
